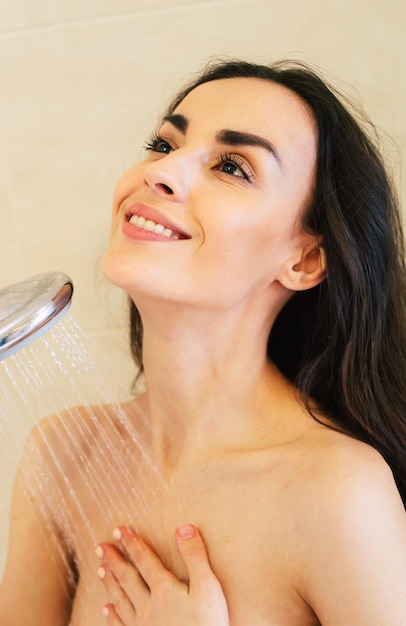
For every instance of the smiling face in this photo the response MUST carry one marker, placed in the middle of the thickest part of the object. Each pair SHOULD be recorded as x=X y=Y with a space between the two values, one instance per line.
x=212 y=216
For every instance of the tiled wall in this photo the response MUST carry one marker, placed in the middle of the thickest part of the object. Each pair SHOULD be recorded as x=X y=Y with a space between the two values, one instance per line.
x=82 y=84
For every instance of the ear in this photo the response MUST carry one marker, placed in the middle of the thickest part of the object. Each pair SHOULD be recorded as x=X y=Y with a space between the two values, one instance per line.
x=308 y=270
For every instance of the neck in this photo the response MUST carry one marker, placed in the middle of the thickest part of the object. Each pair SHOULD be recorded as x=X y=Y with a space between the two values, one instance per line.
x=210 y=387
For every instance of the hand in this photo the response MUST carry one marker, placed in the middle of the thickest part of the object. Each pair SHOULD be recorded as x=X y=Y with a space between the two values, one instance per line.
x=144 y=593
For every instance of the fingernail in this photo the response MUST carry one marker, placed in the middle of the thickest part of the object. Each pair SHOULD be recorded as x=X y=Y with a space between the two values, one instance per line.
x=117 y=534
x=101 y=572
x=186 y=531
x=99 y=552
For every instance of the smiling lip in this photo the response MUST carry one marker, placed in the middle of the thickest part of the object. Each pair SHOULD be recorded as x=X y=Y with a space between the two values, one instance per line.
x=143 y=221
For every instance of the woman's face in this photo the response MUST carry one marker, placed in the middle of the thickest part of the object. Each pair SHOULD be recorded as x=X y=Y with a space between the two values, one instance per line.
x=212 y=216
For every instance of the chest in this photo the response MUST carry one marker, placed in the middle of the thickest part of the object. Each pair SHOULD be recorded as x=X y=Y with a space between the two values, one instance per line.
x=243 y=517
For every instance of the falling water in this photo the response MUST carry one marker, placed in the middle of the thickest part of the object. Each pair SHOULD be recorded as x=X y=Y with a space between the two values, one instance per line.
x=85 y=465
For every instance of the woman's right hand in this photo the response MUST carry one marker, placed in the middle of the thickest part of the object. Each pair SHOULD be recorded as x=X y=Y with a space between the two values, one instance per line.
x=144 y=593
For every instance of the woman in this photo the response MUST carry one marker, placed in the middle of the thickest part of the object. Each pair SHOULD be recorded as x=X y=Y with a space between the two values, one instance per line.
x=305 y=176
x=260 y=243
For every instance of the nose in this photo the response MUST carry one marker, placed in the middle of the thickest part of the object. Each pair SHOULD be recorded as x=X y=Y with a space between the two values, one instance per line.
x=168 y=177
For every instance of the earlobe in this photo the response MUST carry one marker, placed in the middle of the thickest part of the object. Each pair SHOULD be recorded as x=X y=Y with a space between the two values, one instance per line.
x=309 y=271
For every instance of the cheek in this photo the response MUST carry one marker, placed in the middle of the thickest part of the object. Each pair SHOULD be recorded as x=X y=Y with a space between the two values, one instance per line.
x=258 y=251
x=249 y=238
x=129 y=182
x=113 y=225
x=238 y=252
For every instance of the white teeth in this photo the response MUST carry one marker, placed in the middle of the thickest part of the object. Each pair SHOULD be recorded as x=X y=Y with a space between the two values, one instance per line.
x=152 y=226
x=140 y=221
x=149 y=225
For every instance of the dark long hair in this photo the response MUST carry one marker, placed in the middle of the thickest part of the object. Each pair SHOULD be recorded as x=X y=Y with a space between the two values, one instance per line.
x=342 y=343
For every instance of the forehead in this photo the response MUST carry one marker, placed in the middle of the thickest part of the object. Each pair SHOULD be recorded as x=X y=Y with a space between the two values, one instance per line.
x=252 y=105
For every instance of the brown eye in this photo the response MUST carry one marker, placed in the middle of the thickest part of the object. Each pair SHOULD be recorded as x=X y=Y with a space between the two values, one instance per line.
x=231 y=168
x=234 y=165
x=158 y=144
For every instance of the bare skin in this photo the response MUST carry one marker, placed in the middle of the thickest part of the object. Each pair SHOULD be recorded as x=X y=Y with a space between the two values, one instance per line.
x=303 y=525
x=308 y=509
x=154 y=590
x=285 y=563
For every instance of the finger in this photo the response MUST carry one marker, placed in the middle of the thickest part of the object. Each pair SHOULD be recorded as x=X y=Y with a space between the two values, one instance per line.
x=111 y=615
x=194 y=555
x=127 y=576
x=120 y=609
x=144 y=558
x=203 y=585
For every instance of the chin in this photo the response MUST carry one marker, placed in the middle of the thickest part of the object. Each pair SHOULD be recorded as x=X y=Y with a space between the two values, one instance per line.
x=130 y=275
x=117 y=270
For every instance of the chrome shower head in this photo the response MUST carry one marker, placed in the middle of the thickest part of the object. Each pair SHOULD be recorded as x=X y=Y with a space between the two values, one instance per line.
x=29 y=308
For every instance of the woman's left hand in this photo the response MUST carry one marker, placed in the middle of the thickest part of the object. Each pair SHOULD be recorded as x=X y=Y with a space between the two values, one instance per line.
x=144 y=593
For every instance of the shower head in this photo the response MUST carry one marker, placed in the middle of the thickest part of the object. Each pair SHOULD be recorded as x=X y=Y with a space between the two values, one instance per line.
x=29 y=308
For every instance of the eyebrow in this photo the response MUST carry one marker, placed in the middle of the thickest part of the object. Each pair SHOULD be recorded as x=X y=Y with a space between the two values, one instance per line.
x=239 y=138
x=178 y=121
x=227 y=136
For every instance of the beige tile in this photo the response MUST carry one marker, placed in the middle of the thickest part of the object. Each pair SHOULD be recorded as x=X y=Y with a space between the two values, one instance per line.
x=27 y=14
x=119 y=369
x=79 y=93
x=10 y=253
x=79 y=101
x=78 y=104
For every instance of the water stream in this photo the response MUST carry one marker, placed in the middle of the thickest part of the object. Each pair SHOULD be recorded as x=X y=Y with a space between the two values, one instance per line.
x=82 y=454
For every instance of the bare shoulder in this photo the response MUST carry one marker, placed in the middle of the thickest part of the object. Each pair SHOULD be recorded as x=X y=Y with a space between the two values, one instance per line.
x=38 y=578
x=351 y=532
x=71 y=436
x=337 y=483
x=344 y=480
x=341 y=466
x=59 y=440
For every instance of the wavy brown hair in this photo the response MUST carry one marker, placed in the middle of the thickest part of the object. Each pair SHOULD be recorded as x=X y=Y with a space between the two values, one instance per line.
x=342 y=343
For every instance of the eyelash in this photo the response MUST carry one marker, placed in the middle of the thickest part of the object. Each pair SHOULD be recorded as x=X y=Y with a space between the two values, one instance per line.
x=154 y=141
x=235 y=159
x=153 y=145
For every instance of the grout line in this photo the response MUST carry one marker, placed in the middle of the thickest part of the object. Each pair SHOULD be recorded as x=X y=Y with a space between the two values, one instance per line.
x=21 y=32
